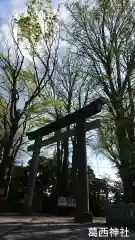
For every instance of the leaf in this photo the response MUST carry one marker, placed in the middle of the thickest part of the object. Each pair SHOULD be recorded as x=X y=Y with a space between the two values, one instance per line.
x=27 y=75
x=39 y=21
x=27 y=81
x=105 y=77
x=3 y=103
x=41 y=107
x=30 y=28
x=2 y=132
x=55 y=103
x=42 y=119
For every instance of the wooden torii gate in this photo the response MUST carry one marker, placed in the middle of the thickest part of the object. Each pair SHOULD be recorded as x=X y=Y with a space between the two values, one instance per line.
x=79 y=117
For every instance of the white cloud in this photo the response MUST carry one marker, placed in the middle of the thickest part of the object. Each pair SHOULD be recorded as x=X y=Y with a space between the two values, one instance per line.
x=5 y=35
x=63 y=11
x=18 y=7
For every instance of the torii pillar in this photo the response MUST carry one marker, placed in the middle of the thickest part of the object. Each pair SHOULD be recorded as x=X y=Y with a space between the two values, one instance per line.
x=82 y=191
x=32 y=175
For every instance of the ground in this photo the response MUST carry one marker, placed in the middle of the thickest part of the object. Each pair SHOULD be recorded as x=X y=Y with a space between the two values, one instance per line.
x=40 y=228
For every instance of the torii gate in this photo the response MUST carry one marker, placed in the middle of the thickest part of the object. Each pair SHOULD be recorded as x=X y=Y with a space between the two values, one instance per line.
x=78 y=117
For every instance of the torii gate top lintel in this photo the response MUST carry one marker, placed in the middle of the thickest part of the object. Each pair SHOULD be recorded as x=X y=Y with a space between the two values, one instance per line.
x=83 y=113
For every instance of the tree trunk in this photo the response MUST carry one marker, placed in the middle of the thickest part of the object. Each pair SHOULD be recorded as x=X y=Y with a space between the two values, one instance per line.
x=124 y=153
x=1 y=148
x=126 y=188
x=130 y=132
x=6 y=154
x=8 y=180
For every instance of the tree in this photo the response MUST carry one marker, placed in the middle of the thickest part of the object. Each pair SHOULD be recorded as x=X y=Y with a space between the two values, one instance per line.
x=46 y=179
x=24 y=81
x=46 y=173
x=117 y=191
x=103 y=36
x=108 y=141
x=71 y=88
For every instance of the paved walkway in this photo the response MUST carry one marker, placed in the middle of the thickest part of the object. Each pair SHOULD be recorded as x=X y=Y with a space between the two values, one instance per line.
x=7 y=223
x=42 y=228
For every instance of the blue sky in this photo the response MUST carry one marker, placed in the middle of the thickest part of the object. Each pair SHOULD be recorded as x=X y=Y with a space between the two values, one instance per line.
x=5 y=11
x=10 y=8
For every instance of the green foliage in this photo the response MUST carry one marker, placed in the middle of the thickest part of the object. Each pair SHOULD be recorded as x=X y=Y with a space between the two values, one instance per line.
x=27 y=82
x=3 y=104
x=55 y=103
x=103 y=35
x=41 y=107
x=2 y=132
x=3 y=56
x=39 y=21
x=30 y=29
x=27 y=75
x=108 y=144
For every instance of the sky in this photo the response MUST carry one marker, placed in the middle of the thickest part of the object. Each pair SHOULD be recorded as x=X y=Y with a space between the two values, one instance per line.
x=100 y=164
